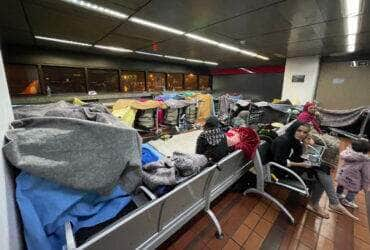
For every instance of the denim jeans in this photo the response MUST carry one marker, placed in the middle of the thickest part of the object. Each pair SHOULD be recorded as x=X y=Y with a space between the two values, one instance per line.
x=323 y=183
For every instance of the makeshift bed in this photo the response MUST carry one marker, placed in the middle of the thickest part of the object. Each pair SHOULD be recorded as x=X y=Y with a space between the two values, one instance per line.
x=154 y=222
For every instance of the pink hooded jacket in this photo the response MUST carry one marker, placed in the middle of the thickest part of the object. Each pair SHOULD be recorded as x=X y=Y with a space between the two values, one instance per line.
x=306 y=117
x=354 y=175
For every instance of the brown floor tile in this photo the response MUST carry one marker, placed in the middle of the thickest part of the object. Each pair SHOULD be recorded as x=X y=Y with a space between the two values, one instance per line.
x=232 y=225
x=285 y=243
x=183 y=241
x=312 y=221
x=293 y=244
x=231 y=245
x=271 y=214
x=218 y=243
x=260 y=208
x=309 y=237
x=360 y=245
x=302 y=246
x=254 y=242
x=324 y=244
x=328 y=230
x=242 y=234
x=251 y=220
x=362 y=233
x=262 y=228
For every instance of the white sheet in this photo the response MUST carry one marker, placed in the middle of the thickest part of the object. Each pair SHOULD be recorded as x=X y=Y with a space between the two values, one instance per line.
x=185 y=143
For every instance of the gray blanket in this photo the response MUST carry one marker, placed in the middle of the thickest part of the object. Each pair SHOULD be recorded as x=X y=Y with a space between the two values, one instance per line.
x=341 y=118
x=77 y=153
x=174 y=170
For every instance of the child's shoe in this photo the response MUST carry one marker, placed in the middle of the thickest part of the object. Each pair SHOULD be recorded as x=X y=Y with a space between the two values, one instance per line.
x=351 y=204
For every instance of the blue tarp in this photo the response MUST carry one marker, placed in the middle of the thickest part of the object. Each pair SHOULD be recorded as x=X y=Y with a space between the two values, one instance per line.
x=45 y=207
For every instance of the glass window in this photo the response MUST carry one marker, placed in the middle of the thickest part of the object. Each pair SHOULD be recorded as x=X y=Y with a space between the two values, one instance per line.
x=132 y=81
x=175 y=81
x=64 y=79
x=22 y=79
x=103 y=80
x=156 y=81
x=204 y=83
x=191 y=82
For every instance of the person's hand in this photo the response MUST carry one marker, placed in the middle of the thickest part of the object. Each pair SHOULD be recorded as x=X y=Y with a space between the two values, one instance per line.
x=309 y=141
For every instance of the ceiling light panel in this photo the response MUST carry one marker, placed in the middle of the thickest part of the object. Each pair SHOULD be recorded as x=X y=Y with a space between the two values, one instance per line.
x=57 y=40
x=116 y=49
x=175 y=58
x=156 y=25
x=148 y=54
x=97 y=8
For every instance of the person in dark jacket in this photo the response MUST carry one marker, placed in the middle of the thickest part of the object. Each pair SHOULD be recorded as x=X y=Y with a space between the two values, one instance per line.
x=212 y=141
x=287 y=150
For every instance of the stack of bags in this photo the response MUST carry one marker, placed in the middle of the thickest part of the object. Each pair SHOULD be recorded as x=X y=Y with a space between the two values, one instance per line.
x=146 y=118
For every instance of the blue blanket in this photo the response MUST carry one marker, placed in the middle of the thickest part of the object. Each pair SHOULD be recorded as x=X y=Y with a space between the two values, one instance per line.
x=45 y=207
x=149 y=154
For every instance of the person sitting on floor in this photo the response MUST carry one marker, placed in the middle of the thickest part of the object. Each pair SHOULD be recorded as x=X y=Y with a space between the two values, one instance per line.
x=292 y=141
x=354 y=174
x=212 y=141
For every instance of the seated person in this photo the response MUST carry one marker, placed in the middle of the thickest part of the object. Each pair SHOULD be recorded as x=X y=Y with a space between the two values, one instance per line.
x=292 y=141
x=212 y=141
x=241 y=119
x=311 y=116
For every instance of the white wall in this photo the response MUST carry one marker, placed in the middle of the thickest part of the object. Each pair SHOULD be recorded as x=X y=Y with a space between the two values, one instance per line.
x=301 y=92
x=10 y=238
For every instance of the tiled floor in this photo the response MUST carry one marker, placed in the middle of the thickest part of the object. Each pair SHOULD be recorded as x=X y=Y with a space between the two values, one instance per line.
x=250 y=222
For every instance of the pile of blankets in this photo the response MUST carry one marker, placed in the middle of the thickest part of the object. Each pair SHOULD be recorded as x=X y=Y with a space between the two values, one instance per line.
x=79 y=164
x=174 y=170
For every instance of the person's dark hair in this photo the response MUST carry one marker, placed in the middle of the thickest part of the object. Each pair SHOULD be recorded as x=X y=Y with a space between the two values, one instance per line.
x=293 y=128
x=211 y=123
x=361 y=146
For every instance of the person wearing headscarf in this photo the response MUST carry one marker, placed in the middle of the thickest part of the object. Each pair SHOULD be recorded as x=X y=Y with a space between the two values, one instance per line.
x=309 y=115
x=212 y=141
x=287 y=150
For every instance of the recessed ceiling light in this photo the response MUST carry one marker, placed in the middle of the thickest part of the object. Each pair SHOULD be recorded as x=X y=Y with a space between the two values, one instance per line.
x=97 y=8
x=62 y=41
x=210 y=63
x=175 y=58
x=156 y=25
x=201 y=39
x=148 y=54
x=263 y=57
x=194 y=60
x=113 y=48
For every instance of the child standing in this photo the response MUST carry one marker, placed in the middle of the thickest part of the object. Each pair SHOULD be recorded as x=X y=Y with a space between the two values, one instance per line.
x=354 y=175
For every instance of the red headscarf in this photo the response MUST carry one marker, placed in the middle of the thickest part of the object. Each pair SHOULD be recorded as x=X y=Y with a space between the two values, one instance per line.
x=307 y=117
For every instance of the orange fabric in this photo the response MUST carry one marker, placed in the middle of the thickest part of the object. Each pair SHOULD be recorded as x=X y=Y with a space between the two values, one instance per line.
x=32 y=89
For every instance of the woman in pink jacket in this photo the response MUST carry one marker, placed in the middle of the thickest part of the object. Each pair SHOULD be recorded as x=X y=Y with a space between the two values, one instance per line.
x=354 y=175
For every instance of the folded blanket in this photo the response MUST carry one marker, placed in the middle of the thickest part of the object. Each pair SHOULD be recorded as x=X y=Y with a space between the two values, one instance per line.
x=80 y=154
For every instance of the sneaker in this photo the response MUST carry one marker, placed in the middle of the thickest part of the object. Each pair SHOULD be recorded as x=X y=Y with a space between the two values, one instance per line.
x=349 y=203
x=341 y=196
